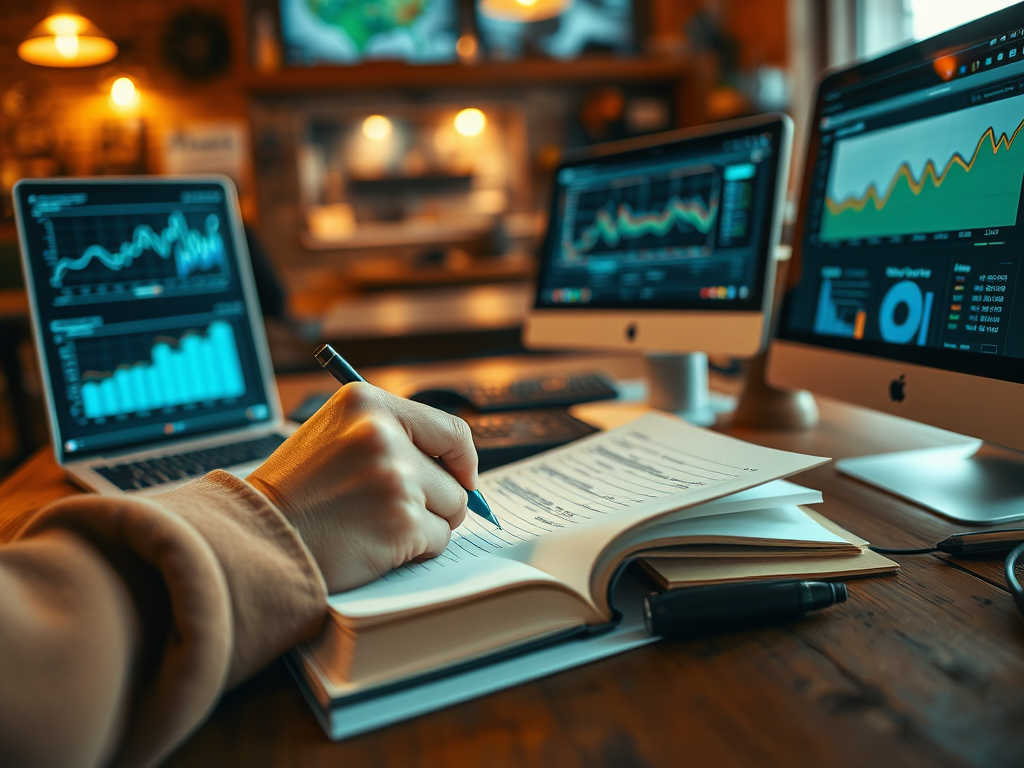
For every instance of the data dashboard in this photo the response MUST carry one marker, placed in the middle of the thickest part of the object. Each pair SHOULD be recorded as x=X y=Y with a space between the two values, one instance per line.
x=143 y=316
x=910 y=238
x=678 y=226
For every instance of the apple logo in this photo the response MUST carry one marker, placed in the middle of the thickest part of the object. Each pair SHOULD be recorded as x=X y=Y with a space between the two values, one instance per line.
x=631 y=332
x=896 y=387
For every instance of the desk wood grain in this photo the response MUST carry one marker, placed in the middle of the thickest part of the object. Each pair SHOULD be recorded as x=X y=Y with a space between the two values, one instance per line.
x=923 y=668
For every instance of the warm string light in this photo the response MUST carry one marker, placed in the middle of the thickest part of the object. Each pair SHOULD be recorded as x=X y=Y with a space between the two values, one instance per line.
x=376 y=127
x=123 y=93
x=470 y=122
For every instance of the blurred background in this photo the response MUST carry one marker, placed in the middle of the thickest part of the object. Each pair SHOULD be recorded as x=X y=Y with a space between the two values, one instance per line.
x=392 y=157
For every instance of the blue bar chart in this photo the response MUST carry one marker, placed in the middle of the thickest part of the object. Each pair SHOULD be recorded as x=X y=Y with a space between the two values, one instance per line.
x=197 y=367
x=842 y=303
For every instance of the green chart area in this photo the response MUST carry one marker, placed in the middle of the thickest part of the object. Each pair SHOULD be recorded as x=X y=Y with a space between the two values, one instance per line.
x=978 y=192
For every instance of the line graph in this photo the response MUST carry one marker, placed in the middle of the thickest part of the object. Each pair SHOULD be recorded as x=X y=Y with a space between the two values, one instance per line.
x=642 y=213
x=615 y=224
x=193 y=250
x=889 y=182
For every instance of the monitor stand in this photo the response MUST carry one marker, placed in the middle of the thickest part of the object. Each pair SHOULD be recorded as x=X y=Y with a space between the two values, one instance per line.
x=679 y=384
x=975 y=483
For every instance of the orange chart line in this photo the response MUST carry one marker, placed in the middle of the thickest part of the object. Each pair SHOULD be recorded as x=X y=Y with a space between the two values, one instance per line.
x=859 y=203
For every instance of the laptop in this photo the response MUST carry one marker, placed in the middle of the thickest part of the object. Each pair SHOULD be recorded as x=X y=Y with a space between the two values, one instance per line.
x=149 y=334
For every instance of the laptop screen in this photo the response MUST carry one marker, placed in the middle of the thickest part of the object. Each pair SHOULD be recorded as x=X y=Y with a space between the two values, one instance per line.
x=142 y=309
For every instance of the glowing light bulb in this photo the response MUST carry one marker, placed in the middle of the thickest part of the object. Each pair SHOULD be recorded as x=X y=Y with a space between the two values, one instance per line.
x=467 y=47
x=66 y=40
x=376 y=127
x=470 y=122
x=124 y=93
x=527 y=3
x=66 y=45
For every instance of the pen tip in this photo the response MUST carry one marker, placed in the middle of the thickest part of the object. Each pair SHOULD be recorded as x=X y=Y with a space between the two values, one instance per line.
x=478 y=504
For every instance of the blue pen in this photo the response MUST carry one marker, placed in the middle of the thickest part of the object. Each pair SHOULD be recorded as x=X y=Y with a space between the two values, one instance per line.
x=338 y=367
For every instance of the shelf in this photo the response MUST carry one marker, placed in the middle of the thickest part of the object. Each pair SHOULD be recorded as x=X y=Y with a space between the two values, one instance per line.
x=398 y=76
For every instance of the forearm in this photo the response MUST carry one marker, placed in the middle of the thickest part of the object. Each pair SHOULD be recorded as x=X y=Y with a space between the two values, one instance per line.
x=69 y=642
x=207 y=583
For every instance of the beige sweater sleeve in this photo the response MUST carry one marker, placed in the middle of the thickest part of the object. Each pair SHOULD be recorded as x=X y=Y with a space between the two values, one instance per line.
x=123 y=620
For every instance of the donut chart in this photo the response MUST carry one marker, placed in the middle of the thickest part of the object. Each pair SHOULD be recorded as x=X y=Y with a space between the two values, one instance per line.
x=904 y=314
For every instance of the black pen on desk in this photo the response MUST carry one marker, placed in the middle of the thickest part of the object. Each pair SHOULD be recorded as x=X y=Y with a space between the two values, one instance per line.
x=339 y=368
x=690 y=612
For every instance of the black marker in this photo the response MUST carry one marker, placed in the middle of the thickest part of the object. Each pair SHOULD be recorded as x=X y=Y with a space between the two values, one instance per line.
x=681 y=614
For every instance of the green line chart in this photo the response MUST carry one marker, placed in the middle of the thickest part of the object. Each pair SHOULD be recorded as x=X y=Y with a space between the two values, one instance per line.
x=959 y=171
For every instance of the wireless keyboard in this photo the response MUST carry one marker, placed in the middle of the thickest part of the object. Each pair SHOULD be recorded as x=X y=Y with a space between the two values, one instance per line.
x=545 y=392
x=501 y=438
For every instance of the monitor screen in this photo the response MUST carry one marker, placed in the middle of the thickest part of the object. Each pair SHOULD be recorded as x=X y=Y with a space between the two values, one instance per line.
x=325 y=32
x=583 y=27
x=140 y=310
x=679 y=224
x=908 y=242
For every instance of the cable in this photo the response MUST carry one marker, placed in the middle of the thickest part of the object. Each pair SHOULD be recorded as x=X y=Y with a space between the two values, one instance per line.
x=1011 y=577
x=889 y=551
x=954 y=546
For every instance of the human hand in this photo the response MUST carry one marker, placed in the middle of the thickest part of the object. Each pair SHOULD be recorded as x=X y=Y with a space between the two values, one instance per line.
x=358 y=483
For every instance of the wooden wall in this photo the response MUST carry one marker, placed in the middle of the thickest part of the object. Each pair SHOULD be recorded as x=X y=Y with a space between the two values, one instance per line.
x=78 y=101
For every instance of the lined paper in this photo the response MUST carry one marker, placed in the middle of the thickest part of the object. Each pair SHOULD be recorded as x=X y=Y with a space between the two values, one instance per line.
x=566 y=513
x=607 y=474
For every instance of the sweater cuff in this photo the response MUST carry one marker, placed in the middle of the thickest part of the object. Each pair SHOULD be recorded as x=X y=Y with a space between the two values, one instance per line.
x=278 y=595
x=190 y=650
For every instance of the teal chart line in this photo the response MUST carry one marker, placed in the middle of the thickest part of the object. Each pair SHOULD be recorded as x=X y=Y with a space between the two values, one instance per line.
x=615 y=224
x=192 y=250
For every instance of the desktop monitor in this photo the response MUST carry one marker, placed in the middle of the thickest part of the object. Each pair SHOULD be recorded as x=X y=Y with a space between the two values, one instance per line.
x=907 y=257
x=665 y=244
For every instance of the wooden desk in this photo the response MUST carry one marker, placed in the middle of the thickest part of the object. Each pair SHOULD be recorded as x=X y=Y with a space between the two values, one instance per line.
x=924 y=668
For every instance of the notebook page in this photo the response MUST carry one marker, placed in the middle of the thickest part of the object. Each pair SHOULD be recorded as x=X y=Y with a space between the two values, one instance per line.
x=560 y=510
x=787 y=525
x=623 y=480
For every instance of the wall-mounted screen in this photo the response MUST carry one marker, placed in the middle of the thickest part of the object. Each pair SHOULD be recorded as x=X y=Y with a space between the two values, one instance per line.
x=585 y=26
x=352 y=31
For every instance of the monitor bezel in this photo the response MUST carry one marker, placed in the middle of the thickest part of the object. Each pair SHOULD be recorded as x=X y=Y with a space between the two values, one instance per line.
x=255 y=317
x=883 y=379
x=719 y=330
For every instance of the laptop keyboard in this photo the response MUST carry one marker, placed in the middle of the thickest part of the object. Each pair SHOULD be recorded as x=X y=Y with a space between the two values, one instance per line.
x=137 y=475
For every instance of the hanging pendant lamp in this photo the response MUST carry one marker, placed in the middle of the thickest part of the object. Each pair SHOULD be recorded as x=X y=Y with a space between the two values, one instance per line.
x=523 y=10
x=66 y=40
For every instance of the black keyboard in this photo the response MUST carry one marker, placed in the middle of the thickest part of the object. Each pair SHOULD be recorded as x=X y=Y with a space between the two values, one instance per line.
x=501 y=438
x=545 y=392
x=181 y=466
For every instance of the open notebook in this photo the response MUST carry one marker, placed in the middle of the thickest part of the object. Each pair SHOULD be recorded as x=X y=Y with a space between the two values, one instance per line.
x=571 y=517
